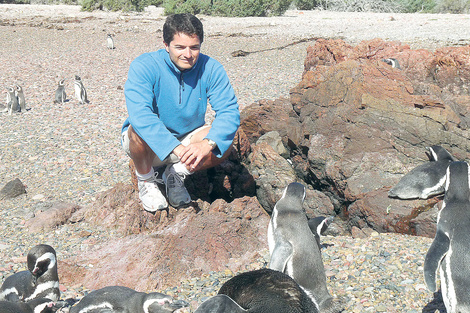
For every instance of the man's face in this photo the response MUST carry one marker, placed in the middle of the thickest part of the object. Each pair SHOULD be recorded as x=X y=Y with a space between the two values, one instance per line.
x=184 y=50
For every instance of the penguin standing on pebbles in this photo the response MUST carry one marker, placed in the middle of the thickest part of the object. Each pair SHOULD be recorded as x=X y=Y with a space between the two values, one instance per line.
x=12 y=101
x=294 y=249
x=80 y=91
x=41 y=280
x=110 y=42
x=425 y=180
x=118 y=299
x=60 y=95
x=450 y=249
x=20 y=98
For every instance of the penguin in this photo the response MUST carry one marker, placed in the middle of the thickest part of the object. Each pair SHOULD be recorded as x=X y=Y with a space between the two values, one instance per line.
x=294 y=249
x=450 y=250
x=110 y=42
x=425 y=180
x=20 y=98
x=119 y=299
x=40 y=305
x=60 y=95
x=41 y=280
x=393 y=62
x=260 y=291
x=12 y=101
x=80 y=91
x=318 y=225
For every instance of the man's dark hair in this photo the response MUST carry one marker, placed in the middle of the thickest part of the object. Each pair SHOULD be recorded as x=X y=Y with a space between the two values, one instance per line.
x=182 y=23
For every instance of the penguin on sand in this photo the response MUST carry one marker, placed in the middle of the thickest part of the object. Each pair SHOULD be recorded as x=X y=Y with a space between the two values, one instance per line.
x=260 y=291
x=294 y=249
x=119 y=299
x=110 y=42
x=39 y=281
x=19 y=93
x=80 y=91
x=60 y=95
x=12 y=101
x=450 y=250
x=425 y=180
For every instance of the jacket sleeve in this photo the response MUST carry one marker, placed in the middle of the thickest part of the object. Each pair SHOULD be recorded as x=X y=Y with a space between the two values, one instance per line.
x=141 y=107
x=227 y=115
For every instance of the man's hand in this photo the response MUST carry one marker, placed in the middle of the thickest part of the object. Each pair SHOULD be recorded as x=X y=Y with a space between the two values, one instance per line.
x=194 y=154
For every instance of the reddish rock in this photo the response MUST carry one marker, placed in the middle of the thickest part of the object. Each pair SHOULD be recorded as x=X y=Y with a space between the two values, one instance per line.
x=216 y=237
x=58 y=214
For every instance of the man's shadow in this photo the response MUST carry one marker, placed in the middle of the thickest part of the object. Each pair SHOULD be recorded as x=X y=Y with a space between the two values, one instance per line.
x=436 y=304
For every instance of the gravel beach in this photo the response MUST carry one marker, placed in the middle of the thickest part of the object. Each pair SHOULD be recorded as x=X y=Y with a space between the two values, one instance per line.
x=72 y=152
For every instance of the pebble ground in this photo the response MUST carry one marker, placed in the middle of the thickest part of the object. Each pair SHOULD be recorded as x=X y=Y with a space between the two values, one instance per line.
x=71 y=152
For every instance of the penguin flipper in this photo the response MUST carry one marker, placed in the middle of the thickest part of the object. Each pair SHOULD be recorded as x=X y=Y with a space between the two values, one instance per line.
x=220 y=304
x=436 y=253
x=281 y=254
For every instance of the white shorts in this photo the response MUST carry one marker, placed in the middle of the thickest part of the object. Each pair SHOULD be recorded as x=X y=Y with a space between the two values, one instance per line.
x=172 y=158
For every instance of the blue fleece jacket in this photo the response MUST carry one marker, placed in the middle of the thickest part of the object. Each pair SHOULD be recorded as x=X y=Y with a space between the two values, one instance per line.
x=165 y=103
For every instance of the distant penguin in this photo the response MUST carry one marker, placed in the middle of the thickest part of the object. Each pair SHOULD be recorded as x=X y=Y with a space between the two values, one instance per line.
x=294 y=249
x=260 y=291
x=393 y=62
x=12 y=101
x=80 y=91
x=318 y=225
x=118 y=299
x=450 y=249
x=39 y=281
x=20 y=98
x=40 y=305
x=110 y=42
x=425 y=180
x=60 y=95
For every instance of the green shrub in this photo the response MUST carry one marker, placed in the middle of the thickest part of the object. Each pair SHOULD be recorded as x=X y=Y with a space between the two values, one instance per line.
x=412 y=6
x=234 y=8
x=113 y=5
x=453 y=6
x=306 y=4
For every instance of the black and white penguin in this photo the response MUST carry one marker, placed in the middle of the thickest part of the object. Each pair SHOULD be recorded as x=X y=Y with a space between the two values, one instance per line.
x=318 y=225
x=119 y=299
x=425 y=180
x=80 y=91
x=110 y=41
x=40 y=305
x=39 y=281
x=393 y=62
x=294 y=249
x=60 y=95
x=260 y=291
x=450 y=249
x=19 y=93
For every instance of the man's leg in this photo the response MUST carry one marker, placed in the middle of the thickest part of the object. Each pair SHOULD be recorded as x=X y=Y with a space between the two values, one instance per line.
x=143 y=157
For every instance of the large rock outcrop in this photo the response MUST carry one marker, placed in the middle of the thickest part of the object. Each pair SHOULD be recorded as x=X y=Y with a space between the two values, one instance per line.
x=356 y=125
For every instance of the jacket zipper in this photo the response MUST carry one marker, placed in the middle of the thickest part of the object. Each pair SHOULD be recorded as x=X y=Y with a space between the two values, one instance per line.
x=181 y=87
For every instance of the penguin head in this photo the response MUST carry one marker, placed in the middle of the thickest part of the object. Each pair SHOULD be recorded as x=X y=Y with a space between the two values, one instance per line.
x=62 y=82
x=77 y=77
x=457 y=182
x=40 y=259
x=438 y=153
x=294 y=192
x=42 y=305
x=18 y=88
x=156 y=302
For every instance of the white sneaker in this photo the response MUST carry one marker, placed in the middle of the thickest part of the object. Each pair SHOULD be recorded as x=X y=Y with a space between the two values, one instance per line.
x=175 y=190
x=151 y=196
